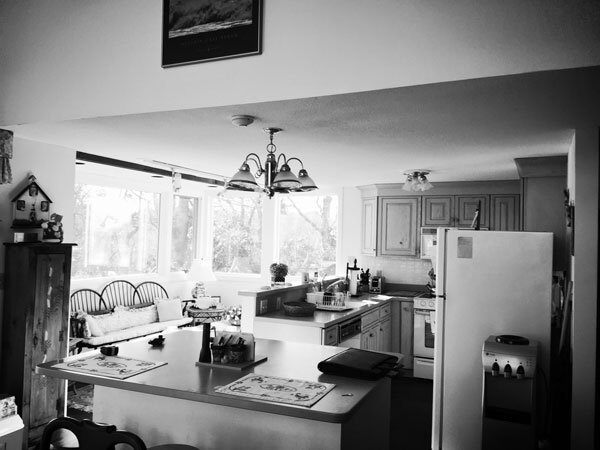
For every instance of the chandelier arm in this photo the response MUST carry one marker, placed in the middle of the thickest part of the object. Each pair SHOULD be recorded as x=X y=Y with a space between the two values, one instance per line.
x=285 y=161
x=297 y=159
x=255 y=160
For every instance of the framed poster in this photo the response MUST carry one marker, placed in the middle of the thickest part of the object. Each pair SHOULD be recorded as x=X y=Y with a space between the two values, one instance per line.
x=205 y=30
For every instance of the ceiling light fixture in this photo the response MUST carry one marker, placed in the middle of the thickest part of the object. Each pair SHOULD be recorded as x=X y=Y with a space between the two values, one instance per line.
x=416 y=180
x=278 y=179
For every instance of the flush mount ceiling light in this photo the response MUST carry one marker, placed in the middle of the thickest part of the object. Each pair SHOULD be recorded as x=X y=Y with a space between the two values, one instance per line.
x=277 y=178
x=416 y=180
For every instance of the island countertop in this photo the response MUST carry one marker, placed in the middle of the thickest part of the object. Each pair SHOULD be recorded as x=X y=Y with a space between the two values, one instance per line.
x=181 y=378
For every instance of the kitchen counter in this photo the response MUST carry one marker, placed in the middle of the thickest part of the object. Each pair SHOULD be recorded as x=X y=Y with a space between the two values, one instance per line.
x=199 y=416
x=324 y=319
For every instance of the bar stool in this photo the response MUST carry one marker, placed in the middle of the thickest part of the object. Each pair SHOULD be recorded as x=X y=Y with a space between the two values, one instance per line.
x=94 y=436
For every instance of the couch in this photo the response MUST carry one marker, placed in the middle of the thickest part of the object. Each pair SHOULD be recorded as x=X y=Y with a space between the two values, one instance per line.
x=122 y=312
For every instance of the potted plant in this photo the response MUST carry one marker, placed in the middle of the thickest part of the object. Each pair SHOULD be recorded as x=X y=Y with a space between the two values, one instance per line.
x=278 y=273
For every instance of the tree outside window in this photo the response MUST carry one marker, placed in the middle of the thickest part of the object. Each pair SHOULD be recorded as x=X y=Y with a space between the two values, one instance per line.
x=116 y=231
x=308 y=233
x=184 y=232
x=237 y=229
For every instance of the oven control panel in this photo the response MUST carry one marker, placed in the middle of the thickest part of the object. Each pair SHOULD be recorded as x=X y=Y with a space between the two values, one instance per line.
x=424 y=303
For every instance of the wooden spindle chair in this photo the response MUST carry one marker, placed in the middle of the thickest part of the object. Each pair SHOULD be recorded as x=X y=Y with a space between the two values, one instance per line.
x=148 y=291
x=86 y=300
x=119 y=292
x=94 y=436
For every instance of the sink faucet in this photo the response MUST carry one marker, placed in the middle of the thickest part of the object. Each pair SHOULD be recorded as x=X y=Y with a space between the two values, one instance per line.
x=328 y=289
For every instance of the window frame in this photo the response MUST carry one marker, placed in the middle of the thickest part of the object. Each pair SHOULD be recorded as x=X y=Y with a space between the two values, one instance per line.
x=320 y=193
x=112 y=183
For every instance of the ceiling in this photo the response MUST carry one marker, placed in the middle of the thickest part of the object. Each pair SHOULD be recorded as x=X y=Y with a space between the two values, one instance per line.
x=465 y=130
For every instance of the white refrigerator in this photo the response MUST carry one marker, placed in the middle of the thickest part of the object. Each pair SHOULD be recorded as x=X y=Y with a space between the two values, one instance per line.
x=487 y=283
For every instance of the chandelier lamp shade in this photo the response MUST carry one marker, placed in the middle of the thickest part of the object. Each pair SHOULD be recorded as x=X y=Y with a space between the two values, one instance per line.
x=278 y=176
x=416 y=180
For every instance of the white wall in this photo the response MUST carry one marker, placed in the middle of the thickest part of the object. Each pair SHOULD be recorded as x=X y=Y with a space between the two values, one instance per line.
x=54 y=168
x=583 y=158
x=64 y=59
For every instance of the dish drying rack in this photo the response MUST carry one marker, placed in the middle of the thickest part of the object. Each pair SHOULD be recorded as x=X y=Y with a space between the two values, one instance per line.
x=335 y=301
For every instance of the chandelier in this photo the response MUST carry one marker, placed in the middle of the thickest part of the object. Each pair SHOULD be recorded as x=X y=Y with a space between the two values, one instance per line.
x=416 y=180
x=277 y=178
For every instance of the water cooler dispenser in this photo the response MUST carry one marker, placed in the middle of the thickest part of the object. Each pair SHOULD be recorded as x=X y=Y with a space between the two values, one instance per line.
x=509 y=393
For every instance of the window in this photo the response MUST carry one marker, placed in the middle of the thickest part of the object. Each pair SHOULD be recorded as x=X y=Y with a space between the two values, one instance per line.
x=183 y=234
x=237 y=229
x=116 y=231
x=308 y=233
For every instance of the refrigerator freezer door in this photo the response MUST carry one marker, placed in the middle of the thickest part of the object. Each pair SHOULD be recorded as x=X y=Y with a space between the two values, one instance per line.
x=495 y=283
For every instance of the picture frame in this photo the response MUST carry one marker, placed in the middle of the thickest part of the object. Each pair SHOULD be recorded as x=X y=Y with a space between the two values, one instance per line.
x=195 y=31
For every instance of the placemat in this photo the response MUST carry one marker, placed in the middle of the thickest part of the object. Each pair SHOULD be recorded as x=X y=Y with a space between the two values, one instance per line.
x=119 y=367
x=277 y=389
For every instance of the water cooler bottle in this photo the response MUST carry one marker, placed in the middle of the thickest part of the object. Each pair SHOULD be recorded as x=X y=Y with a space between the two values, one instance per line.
x=509 y=393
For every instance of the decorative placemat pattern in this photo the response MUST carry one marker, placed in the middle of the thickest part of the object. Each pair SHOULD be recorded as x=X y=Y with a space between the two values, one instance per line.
x=277 y=389
x=119 y=367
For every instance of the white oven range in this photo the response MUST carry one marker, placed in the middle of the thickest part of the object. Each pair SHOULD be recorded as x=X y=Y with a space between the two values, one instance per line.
x=424 y=337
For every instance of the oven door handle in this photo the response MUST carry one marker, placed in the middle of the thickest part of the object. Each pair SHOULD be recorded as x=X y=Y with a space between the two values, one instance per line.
x=423 y=312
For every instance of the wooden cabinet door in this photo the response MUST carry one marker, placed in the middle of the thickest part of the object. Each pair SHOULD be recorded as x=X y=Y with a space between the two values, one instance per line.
x=399 y=226
x=465 y=210
x=49 y=342
x=368 y=240
x=385 y=335
x=369 y=339
x=505 y=212
x=437 y=211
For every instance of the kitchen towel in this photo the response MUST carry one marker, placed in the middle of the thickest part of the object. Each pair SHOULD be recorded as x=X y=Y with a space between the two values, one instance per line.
x=277 y=389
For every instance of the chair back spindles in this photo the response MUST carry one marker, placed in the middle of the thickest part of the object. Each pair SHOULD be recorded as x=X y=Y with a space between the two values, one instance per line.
x=119 y=293
x=86 y=300
x=148 y=291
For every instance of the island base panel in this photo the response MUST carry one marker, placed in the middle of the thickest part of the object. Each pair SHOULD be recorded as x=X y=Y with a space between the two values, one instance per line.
x=161 y=420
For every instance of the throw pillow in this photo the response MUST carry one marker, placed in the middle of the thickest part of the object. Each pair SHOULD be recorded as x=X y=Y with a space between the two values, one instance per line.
x=140 y=316
x=94 y=324
x=168 y=309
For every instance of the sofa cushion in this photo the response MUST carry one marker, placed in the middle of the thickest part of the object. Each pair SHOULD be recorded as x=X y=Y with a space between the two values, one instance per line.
x=168 y=309
x=139 y=331
x=121 y=318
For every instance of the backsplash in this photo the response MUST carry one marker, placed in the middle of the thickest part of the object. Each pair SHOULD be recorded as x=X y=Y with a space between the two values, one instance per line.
x=398 y=270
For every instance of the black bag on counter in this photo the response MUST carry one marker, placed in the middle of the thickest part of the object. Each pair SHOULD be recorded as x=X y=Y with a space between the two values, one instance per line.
x=357 y=363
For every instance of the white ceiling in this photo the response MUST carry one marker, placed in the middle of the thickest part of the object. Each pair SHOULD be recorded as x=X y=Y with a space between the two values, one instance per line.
x=465 y=130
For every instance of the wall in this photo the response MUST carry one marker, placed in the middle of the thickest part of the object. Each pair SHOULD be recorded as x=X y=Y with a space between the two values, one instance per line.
x=54 y=168
x=583 y=185
x=64 y=59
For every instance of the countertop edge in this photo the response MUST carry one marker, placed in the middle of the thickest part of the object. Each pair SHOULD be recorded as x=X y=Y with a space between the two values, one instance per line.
x=213 y=399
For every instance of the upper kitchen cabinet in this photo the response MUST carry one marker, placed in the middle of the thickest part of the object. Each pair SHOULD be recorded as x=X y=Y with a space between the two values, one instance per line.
x=466 y=205
x=505 y=212
x=399 y=226
x=437 y=211
x=392 y=218
x=368 y=239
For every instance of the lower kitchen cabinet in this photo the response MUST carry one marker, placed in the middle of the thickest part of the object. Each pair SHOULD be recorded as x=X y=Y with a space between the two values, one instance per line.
x=369 y=338
x=385 y=335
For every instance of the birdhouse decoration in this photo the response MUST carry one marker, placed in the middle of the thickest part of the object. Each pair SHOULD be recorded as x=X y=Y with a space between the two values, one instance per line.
x=31 y=206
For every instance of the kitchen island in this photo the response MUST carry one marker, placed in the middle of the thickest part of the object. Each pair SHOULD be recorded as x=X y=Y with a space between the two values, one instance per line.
x=177 y=402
